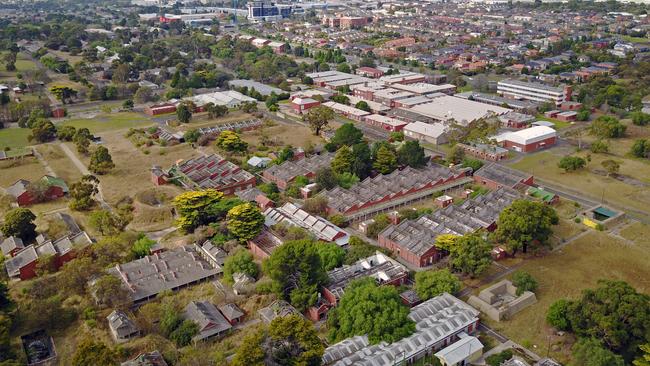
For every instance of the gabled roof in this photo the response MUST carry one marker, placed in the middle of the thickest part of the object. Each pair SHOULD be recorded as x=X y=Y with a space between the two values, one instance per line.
x=18 y=188
x=211 y=322
x=10 y=244
x=120 y=324
x=231 y=311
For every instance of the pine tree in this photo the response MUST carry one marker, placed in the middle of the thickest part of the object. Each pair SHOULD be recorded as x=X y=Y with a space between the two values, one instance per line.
x=386 y=160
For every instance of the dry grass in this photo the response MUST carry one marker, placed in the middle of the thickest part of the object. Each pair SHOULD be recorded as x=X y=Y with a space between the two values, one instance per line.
x=282 y=134
x=28 y=168
x=153 y=210
x=565 y=273
x=59 y=162
x=202 y=120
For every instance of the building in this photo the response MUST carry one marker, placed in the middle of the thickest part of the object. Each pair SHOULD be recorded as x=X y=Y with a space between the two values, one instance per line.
x=347 y=111
x=47 y=188
x=543 y=195
x=539 y=92
x=439 y=322
x=39 y=348
x=369 y=72
x=501 y=301
x=383 y=269
x=158 y=109
x=435 y=133
x=153 y=358
x=317 y=226
x=463 y=352
x=169 y=270
x=516 y=120
x=301 y=105
x=228 y=98
x=263 y=89
x=403 y=77
x=232 y=313
x=11 y=245
x=284 y=174
x=23 y=264
x=529 y=139
x=484 y=151
x=336 y=79
x=266 y=10
x=463 y=111
x=426 y=88
x=495 y=176
x=413 y=240
x=122 y=327
x=386 y=123
x=211 y=171
x=264 y=244
x=278 y=308
x=386 y=192
x=209 y=319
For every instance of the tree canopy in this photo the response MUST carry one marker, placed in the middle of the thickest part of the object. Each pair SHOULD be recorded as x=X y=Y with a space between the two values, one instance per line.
x=245 y=221
x=470 y=254
x=239 y=262
x=571 y=163
x=525 y=223
x=429 y=284
x=524 y=281
x=196 y=208
x=386 y=161
x=366 y=308
x=607 y=127
x=347 y=135
x=318 y=118
x=411 y=154
x=19 y=222
x=590 y=352
x=101 y=161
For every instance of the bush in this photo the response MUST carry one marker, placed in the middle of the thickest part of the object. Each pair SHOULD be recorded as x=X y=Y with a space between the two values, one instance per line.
x=499 y=358
x=524 y=282
x=557 y=315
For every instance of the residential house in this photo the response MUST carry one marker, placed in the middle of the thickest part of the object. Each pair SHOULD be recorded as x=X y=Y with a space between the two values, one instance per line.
x=121 y=326
x=45 y=189
x=209 y=319
x=11 y=245
x=232 y=313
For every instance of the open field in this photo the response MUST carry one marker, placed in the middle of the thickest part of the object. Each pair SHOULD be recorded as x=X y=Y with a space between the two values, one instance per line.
x=202 y=120
x=14 y=137
x=558 y=124
x=26 y=168
x=565 y=273
x=59 y=162
x=23 y=63
x=115 y=121
x=153 y=209
x=283 y=134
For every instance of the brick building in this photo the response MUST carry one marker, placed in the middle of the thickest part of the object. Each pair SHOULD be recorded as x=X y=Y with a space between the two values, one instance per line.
x=282 y=175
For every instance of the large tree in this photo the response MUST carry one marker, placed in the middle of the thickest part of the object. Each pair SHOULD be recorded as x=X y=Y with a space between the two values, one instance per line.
x=366 y=308
x=590 y=352
x=429 y=284
x=318 y=118
x=411 y=154
x=101 y=161
x=362 y=164
x=331 y=255
x=386 y=161
x=239 y=262
x=196 y=208
x=607 y=127
x=297 y=272
x=525 y=223
x=82 y=192
x=347 y=135
x=289 y=340
x=470 y=254
x=93 y=352
x=245 y=221
x=231 y=141
x=184 y=113
x=43 y=130
x=19 y=222
x=343 y=160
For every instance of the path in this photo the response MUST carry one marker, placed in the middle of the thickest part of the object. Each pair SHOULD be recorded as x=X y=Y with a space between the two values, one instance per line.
x=84 y=171
x=44 y=162
x=157 y=235
x=571 y=240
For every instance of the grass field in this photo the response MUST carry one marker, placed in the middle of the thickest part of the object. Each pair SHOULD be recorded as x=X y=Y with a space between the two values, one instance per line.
x=59 y=162
x=565 y=273
x=110 y=122
x=558 y=124
x=203 y=121
x=14 y=137
x=23 y=63
x=28 y=168
x=283 y=134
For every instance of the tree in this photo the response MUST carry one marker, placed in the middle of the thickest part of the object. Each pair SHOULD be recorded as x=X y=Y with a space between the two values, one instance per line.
x=245 y=221
x=363 y=105
x=524 y=223
x=239 y=262
x=121 y=74
x=101 y=161
x=231 y=141
x=128 y=104
x=571 y=163
x=640 y=148
x=318 y=118
x=297 y=272
x=362 y=164
x=347 y=180
x=611 y=166
x=184 y=113
x=82 y=140
x=43 y=130
x=386 y=160
x=331 y=255
x=639 y=118
x=599 y=146
x=343 y=160
x=250 y=351
x=607 y=127
x=457 y=154
x=109 y=291
x=343 y=68
x=92 y=352
x=142 y=246
x=19 y=222
x=63 y=93
x=325 y=178
x=411 y=154
x=590 y=352
x=66 y=133
x=182 y=335
x=366 y=308
x=644 y=359
x=197 y=208
x=105 y=222
x=430 y=284
x=381 y=222
x=475 y=164
x=557 y=314
x=82 y=193
x=144 y=94
x=499 y=358
x=347 y=135
x=470 y=254
x=446 y=242
x=340 y=98
x=524 y=281
x=358 y=249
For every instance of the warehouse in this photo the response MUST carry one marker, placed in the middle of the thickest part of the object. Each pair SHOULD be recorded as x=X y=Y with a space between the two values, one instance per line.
x=528 y=140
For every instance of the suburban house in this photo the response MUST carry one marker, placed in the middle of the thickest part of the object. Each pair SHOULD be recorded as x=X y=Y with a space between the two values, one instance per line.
x=211 y=171
x=282 y=175
x=414 y=240
x=399 y=188
x=317 y=226
x=173 y=270
x=494 y=176
x=121 y=326
x=439 y=322
x=385 y=271
x=232 y=313
x=209 y=319
x=45 y=189
x=529 y=139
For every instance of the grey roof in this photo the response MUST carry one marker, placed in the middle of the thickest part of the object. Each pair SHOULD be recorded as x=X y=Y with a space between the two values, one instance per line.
x=169 y=270
x=295 y=216
x=231 y=311
x=211 y=322
x=291 y=169
x=378 y=266
x=22 y=258
x=418 y=236
x=214 y=253
x=11 y=243
x=435 y=320
x=249 y=195
x=146 y=359
x=372 y=190
x=502 y=174
x=212 y=171
x=534 y=85
x=120 y=324
x=230 y=126
x=18 y=188
x=276 y=309
x=261 y=88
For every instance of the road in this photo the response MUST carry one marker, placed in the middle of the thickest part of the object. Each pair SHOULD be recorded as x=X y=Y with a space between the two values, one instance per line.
x=84 y=171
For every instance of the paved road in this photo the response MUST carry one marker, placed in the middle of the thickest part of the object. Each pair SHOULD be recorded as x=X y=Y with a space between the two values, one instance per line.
x=84 y=170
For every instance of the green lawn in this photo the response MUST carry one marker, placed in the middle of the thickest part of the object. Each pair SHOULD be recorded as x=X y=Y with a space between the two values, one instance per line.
x=558 y=124
x=115 y=121
x=14 y=137
x=23 y=63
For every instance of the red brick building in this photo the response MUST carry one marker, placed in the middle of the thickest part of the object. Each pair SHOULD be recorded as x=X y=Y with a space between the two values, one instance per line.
x=47 y=188
x=370 y=72
x=529 y=139
x=158 y=109
x=302 y=105
x=495 y=176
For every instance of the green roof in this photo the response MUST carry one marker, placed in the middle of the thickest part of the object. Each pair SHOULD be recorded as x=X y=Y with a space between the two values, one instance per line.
x=605 y=211
x=541 y=194
x=55 y=181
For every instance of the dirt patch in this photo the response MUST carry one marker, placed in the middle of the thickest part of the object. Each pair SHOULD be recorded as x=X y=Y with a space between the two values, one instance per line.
x=153 y=210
